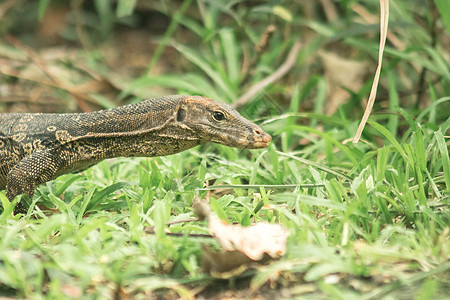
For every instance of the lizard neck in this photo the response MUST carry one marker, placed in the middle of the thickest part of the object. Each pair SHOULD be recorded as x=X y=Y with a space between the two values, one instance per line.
x=168 y=139
x=159 y=143
x=129 y=119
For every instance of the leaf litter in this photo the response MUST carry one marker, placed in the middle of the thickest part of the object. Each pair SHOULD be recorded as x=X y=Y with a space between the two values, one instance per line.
x=241 y=246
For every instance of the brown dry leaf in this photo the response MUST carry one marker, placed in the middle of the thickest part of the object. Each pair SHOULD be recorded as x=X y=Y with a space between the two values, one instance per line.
x=342 y=73
x=253 y=241
x=241 y=245
x=225 y=264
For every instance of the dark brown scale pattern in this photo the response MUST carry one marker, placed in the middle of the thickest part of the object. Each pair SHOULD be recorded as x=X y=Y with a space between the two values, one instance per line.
x=36 y=148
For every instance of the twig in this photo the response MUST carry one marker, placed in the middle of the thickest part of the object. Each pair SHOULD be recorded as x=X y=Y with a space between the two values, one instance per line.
x=282 y=70
x=182 y=221
x=151 y=228
x=192 y=235
x=384 y=12
x=265 y=39
x=256 y=186
x=248 y=59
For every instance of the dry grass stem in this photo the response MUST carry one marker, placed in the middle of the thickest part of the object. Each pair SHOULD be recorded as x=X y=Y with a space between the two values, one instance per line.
x=282 y=70
x=384 y=12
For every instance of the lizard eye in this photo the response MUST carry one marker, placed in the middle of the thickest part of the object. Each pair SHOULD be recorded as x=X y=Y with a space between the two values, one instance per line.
x=218 y=116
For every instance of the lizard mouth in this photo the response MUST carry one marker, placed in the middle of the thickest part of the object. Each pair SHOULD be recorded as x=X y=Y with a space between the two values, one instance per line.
x=261 y=141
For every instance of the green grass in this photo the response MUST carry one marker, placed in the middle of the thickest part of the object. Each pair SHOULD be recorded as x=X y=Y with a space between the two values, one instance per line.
x=366 y=221
x=382 y=227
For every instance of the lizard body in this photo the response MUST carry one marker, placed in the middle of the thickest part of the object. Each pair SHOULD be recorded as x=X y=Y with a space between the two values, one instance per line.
x=36 y=148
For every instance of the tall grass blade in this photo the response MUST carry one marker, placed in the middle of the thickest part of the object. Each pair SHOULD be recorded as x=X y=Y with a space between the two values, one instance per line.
x=384 y=12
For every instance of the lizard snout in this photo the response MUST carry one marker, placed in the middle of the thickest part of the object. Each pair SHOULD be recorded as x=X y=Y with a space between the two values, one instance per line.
x=261 y=138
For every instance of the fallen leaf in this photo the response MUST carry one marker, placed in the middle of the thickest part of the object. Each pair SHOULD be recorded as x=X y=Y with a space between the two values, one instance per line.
x=253 y=240
x=225 y=264
x=342 y=74
x=241 y=245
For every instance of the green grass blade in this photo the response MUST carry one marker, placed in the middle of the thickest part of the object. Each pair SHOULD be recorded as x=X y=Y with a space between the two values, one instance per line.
x=210 y=70
x=169 y=32
x=443 y=7
x=443 y=149
x=125 y=8
x=309 y=200
x=318 y=166
x=230 y=50
x=390 y=137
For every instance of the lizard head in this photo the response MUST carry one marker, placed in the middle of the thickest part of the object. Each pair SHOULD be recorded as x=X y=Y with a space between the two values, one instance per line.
x=216 y=122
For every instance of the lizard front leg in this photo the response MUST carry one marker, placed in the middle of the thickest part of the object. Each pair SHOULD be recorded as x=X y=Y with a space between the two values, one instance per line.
x=28 y=173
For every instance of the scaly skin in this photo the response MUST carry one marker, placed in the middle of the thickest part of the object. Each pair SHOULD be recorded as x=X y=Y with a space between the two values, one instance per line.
x=36 y=148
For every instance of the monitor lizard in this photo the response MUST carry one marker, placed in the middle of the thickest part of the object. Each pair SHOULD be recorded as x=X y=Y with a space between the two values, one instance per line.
x=38 y=147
